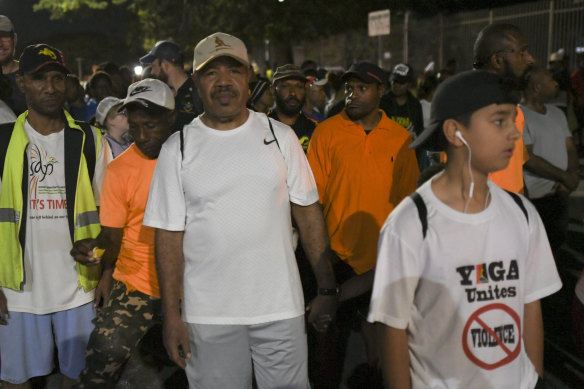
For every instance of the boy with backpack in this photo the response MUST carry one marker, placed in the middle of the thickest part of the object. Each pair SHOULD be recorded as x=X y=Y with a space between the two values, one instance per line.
x=462 y=264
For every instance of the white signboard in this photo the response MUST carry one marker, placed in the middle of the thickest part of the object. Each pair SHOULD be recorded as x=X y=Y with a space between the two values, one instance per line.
x=379 y=23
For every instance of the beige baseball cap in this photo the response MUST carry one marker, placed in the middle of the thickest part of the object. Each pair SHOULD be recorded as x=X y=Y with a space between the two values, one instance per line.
x=150 y=91
x=217 y=45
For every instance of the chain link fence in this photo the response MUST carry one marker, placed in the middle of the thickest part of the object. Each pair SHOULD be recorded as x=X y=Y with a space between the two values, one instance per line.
x=548 y=25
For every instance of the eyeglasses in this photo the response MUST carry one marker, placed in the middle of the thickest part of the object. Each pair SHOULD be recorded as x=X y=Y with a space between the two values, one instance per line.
x=522 y=52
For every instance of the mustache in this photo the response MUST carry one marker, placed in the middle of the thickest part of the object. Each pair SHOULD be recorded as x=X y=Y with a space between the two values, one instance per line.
x=223 y=89
x=292 y=98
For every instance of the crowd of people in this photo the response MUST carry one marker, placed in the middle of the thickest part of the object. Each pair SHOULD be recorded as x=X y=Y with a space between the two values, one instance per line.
x=261 y=221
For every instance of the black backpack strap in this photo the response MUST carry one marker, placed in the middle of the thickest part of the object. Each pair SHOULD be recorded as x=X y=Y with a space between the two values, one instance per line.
x=5 y=134
x=182 y=142
x=273 y=133
x=517 y=199
x=88 y=148
x=422 y=211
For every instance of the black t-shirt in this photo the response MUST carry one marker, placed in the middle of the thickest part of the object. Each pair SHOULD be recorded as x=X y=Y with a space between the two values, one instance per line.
x=188 y=104
x=303 y=127
x=408 y=115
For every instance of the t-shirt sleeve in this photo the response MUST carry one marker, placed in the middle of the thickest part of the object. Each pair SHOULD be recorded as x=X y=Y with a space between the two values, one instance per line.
x=528 y=137
x=301 y=185
x=114 y=202
x=397 y=272
x=104 y=157
x=166 y=207
x=542 y=277
x=318 y=158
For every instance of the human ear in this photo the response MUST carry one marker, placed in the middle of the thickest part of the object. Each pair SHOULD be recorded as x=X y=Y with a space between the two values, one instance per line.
x=20 y=82
x=450 y=128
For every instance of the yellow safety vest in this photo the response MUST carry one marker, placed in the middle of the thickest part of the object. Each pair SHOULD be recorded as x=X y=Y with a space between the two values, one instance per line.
x=82 y=213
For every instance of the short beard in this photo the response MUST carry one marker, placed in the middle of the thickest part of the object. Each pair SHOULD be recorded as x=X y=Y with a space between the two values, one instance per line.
x=515 y=83
x=285 y=109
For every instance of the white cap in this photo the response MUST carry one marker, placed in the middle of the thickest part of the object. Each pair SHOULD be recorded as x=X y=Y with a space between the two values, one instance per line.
x=104 y=107
x=217 y=45
x=150 y=91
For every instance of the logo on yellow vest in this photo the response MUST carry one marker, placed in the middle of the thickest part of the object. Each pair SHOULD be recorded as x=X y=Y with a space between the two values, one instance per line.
x=48 y=53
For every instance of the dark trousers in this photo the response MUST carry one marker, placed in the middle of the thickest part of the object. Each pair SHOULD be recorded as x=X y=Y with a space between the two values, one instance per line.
x=553 y=211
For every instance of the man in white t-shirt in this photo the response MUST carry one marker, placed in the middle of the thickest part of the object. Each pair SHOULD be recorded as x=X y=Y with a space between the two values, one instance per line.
x=462 y=264
x=222 y=196
x=551 y=173
x=48 y=199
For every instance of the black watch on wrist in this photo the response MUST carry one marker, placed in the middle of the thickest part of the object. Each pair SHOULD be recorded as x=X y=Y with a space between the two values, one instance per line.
x=329 y=291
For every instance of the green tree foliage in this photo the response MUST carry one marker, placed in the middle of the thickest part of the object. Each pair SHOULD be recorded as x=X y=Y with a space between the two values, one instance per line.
x=187 y=21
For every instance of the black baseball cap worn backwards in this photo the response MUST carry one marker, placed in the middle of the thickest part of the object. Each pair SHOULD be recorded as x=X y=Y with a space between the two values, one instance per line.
x=366 y=72
x=36 y=57
x=461 y=94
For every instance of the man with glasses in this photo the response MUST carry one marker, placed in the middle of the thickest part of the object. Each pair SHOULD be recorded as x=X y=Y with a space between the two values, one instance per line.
x=502 y=49
x=289 y=83
x=8 y=40
x=363 y=168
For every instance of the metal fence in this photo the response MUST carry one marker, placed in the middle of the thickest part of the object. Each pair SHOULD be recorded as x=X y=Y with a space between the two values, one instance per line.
x=548 y=25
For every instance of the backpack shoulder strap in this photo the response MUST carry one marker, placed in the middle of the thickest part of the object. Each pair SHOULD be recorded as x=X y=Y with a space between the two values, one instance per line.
x=273 y=133
x=88 y=148
x=5 y=134
x=519 y=203
x=422 y=211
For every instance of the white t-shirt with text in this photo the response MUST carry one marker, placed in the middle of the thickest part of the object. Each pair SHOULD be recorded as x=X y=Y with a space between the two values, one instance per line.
x=460 y=291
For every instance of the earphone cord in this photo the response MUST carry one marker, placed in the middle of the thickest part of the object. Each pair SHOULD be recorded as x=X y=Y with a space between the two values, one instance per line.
x=471 y=188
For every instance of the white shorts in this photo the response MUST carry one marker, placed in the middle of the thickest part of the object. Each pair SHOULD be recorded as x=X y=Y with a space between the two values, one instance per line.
x=223 y=355
x=27 y=343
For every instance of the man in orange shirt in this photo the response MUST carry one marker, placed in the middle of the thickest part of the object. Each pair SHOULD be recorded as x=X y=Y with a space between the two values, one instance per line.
x=502 y=49
x=131 y=306
x=363 y=168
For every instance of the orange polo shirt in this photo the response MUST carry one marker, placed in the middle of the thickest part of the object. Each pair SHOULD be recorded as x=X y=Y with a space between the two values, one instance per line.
x=123 y=200
x=511 y=178
x=360 y=178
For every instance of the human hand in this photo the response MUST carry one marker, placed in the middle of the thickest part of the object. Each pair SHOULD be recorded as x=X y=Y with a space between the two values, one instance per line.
x=570 y=180
x=176 y=340
x=83 y=252
x=3 y=309
x=103 y=289
x=321 y=312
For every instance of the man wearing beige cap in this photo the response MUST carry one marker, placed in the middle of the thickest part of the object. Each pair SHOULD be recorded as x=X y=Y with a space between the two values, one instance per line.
x=8 y=39
x=222 y=196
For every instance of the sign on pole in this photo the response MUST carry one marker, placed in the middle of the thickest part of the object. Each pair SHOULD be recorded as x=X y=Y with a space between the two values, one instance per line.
x=379 y=23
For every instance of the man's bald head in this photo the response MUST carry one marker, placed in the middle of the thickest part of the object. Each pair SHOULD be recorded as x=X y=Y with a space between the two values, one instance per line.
x=490 y=40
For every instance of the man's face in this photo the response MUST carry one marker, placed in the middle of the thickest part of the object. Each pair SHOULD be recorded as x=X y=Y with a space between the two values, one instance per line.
x=317 y=96
x=7 y=46
x=149 y=131
x=290 y=96
x=44 y=91
x=103 y=88
x=158 y=72
x=517 y=60
x=361 y=98
x=548 y=86
x=399 y=88
x=223 y=88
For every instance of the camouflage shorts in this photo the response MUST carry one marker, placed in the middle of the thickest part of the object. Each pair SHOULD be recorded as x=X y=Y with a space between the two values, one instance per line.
x=118 y=330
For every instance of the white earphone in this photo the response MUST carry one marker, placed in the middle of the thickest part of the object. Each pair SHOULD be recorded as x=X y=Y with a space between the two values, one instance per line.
x=471 y=188
x=459 y=136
